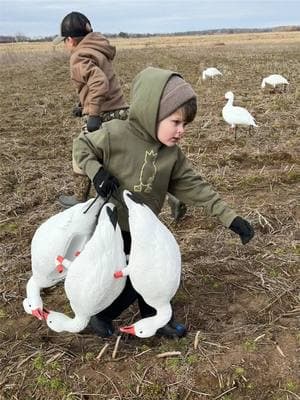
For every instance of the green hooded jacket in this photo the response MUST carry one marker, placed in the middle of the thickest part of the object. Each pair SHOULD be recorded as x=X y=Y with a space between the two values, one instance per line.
x=131 y=152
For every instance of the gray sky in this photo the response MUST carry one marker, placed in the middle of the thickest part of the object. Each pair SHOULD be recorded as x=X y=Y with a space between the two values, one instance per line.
x=36 y=18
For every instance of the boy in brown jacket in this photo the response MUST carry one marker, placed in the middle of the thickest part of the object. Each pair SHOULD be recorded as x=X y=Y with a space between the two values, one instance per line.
x=100 y=94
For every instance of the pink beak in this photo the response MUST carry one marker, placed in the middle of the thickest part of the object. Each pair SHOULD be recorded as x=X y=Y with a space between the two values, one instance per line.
x=38 y=313
x=128 y=329
x=118 y=274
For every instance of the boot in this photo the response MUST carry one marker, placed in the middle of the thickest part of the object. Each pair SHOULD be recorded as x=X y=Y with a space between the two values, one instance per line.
x=172 y=329
x=82 y=186
x=178 y=209
x=101 y=327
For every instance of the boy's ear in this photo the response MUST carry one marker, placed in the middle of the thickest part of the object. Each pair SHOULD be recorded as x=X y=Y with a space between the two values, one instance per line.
x=72 y=41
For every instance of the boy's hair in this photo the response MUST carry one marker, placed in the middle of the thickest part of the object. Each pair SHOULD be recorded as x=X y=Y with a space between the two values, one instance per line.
x=189 y=110
x=75 y=25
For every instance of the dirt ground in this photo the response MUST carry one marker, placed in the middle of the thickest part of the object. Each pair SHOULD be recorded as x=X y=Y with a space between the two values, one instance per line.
x=241 y=304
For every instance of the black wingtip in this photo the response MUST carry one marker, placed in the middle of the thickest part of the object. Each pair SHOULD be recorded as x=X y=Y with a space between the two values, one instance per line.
x=113 y=216
x=136 y=198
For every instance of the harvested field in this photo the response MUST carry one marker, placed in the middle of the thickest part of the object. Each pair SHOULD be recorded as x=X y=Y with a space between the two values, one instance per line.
x=241 y=304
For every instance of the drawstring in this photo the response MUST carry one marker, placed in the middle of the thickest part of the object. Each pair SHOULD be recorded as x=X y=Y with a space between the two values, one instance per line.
x=109 y=195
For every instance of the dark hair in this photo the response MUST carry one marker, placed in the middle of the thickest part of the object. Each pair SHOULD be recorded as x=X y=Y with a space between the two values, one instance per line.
x=189 y=110
x=75 y=24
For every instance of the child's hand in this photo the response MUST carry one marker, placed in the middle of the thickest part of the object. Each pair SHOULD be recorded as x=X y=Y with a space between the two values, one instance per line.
x=105 y=183
x=242 y=227
x=77 y=110
x=93 y=123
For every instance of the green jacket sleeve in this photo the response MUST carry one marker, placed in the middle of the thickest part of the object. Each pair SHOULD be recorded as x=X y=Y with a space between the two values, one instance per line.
x=189 y=187
x=89 y=151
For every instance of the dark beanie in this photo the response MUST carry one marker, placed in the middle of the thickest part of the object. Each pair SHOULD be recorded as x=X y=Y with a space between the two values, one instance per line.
x=176 y=92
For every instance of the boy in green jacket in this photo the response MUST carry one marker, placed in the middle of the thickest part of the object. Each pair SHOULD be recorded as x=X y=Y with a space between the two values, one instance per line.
x=142 y=155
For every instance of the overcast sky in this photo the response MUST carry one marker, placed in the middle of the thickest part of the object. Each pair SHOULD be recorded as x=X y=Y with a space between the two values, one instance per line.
x=36 y=18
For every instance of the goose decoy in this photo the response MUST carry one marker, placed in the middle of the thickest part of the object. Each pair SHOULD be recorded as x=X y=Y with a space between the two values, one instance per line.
x=234 y=115
x=154 y=265
x=90 y=284
x=65 y=233
x=211 y=73
x=274 y=81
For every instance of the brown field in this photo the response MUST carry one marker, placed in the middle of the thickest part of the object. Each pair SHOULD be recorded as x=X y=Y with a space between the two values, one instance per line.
x=241 y=304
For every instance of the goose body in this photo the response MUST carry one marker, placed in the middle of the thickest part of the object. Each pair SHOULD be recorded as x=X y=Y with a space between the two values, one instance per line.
x=65 y=233
x=210 y=72
x=90 y=284
x=274 y=80
x=234 y=115
x=154 y=266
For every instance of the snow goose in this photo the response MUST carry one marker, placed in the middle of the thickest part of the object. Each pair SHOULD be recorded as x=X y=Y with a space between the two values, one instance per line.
x=90 y=284
x=275 y=80
x=234 y=115
x=64 y=233
x=211 y=73
x=154 y=266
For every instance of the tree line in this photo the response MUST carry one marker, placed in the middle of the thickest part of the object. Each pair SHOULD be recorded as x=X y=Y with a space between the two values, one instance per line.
x=22 y=38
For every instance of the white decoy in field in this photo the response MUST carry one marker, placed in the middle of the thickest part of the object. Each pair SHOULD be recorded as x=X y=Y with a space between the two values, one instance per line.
x=274 y=81
x=211 y=73
x=234 y=115
x=90 y=284
x=154 y=266
x=65 y=233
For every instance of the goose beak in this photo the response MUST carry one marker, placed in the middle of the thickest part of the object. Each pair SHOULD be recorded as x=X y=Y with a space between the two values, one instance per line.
x=128 y=329
x=38 y=313
x=118 y=274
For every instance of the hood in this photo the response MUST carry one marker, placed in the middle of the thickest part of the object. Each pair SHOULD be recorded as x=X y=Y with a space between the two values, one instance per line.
x=96 y=41
x=147 y=89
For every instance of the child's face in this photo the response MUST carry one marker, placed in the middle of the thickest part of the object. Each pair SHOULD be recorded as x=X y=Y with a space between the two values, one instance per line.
x=171 y=129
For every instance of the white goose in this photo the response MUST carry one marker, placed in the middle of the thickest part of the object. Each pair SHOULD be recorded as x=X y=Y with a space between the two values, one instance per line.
x=90 y=284
x=65 y=233
x=211 y=73
x=275 y=80
x=154 y=266
x=234 y=115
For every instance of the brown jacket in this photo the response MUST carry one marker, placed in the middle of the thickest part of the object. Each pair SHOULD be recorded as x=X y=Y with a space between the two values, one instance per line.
x=92 y=73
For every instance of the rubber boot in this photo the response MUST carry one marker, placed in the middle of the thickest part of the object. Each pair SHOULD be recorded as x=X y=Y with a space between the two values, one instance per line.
x=172 y=329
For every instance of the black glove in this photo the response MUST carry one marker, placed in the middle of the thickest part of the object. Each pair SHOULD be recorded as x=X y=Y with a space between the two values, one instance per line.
x=77 y=110
x=242 y=227
x=105 y=183
x=93 y=123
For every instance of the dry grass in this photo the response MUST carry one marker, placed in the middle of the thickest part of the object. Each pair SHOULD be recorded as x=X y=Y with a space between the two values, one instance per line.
x=240 y=303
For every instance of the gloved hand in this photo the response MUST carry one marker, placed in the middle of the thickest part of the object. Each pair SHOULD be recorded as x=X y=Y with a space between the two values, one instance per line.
x=93 y=123
x=77 y=110
x=105 y=183
x=242 y=227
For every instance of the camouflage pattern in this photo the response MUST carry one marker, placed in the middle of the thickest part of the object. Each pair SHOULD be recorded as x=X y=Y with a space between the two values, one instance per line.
x=107 y=116
x=82 y=185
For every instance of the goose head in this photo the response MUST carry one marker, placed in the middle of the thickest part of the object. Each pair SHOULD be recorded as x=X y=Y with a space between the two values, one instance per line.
x=59 y=322
x=34 y=306
x=56 y=321
x=142 y=329
x=229 y=95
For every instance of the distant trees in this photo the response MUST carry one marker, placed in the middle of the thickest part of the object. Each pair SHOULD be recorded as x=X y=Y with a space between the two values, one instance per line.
x=19 y=37
x=124 y=35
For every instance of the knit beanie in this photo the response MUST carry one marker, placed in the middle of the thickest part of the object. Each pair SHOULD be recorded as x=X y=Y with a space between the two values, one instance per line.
x=175 y=94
